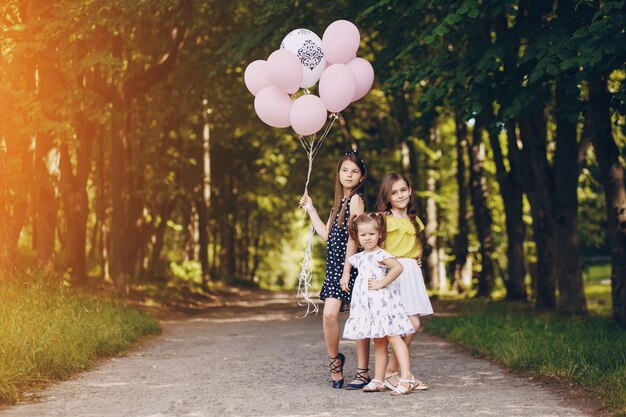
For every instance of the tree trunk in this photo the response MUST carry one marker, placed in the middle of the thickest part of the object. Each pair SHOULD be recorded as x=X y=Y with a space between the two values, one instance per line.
x=533 y=125
x=136 y=234
x=571 y=297
x=513 y=196
x=203 y=241
x=462 y=276
x=432 y=273
x=158 y=237
x=231 y=244
x=243 y=248
x=46 y=203
x=14 y=205
x=431 y=253
x=482 y=214
x=205 y=202
x=119 y=267
x=190 y=236
x=102 y=241
x=598 y=127
x=13 y=215
x=257 y=247
x=75 y=202
x=512 y=182
x=511 y=189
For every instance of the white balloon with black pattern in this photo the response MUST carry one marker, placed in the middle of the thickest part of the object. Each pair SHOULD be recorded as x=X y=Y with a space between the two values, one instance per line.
x=308 y=48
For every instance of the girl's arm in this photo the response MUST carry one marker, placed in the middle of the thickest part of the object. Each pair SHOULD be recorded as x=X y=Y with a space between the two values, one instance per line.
x=395 y=269
x=419 y=240
x=322 y=229
x=356 y=207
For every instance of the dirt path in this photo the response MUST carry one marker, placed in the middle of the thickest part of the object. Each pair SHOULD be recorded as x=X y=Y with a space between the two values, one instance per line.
x=257 y=359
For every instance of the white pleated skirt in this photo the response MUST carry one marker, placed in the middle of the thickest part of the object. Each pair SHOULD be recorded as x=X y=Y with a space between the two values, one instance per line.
x=410 y=285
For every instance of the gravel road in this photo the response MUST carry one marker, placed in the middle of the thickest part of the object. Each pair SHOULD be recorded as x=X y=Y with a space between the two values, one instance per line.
x=254 y=357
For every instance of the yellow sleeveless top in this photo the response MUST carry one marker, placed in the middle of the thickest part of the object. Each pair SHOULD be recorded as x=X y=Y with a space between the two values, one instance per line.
x=401 y=239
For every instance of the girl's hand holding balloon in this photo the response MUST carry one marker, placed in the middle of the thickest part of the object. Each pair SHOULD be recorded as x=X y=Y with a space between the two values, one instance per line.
x=307 y=204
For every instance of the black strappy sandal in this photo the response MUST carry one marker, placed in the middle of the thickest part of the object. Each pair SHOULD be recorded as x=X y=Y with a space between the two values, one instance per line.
x=337 y=368
x=360 y=376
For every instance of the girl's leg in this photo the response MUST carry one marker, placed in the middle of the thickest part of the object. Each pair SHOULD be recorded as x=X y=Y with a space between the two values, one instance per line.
x=380 y=358
x=415 y=321
x=402 y=355
x=331 y=332
x=363 y=359
x=406 y=383
x=392 y=366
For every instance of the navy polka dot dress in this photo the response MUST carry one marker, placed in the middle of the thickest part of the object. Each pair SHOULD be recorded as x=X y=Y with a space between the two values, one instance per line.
x=336 y=257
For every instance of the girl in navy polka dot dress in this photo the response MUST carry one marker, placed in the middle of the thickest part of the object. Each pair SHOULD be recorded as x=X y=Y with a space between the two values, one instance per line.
x=336 y=291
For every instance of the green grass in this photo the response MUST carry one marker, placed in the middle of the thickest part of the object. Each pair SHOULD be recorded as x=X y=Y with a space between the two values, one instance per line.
x=47 y=333
x=587 y=351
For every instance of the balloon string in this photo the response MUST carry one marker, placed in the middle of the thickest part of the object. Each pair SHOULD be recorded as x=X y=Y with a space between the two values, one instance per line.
x=304 y=281
x=311 y=145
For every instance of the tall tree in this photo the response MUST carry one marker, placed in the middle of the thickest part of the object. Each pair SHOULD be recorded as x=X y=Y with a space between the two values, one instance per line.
x=598 y=128
x=482 y=214
x=603 y=51
x=462 y=263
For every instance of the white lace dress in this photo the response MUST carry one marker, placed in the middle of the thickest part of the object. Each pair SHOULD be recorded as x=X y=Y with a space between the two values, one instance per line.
x=374 y=313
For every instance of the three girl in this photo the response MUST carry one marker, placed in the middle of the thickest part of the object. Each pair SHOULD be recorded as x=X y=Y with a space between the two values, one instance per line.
x=376 y=311
x=376 y=296
x=396 y=201
x=349 y=188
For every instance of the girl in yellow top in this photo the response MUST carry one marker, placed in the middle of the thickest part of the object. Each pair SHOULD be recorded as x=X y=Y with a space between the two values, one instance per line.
x=395 y=200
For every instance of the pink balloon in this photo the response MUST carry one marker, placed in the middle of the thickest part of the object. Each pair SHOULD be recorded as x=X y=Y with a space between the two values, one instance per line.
x=256 y=77
x=337 y=87
x=364 y=74
x=285 y=70
x=340 y=42
x=273 y=106
x=308 y=114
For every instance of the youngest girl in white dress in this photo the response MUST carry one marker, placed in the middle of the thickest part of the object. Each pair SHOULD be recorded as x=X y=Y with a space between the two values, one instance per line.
x=376 y=309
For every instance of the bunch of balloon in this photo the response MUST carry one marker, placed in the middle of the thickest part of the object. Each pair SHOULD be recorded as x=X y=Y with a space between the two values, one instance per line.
x=281 y=86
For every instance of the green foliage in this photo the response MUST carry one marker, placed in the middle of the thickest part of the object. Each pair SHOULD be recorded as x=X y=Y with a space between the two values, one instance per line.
x=47 y=333
x=586 y=351
x=431 y=59
x=189 y=271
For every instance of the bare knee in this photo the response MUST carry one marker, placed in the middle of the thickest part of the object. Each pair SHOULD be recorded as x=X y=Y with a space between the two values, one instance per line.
x=380 y=343
x=330 y=316
x=415 y=321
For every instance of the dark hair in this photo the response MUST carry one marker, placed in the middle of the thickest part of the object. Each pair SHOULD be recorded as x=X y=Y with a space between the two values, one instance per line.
x=383 y=203
x=352 y=156
x=377 y=218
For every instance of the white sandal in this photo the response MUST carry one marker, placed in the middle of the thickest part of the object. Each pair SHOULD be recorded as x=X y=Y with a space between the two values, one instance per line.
x=375 y=385
x=402 y=390
x=387 y=383
x=420 y=385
